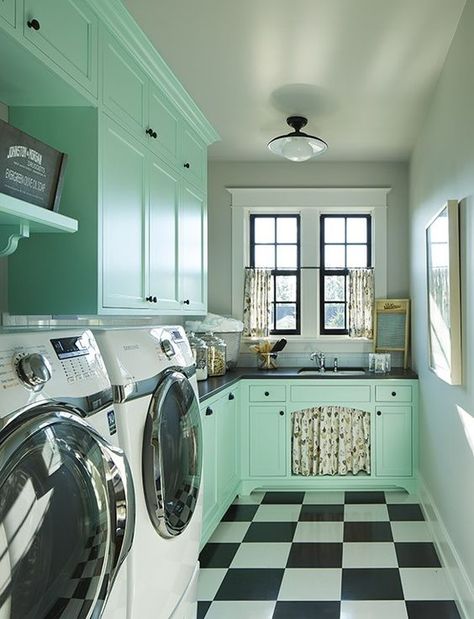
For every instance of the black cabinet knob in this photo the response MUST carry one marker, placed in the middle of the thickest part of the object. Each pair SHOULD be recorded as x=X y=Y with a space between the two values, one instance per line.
x=186 y=302
x=209 y=410
x=267 y=393
x=394 y=393
x=379 y=413
x=187 y=165
x=282 y=412
x=231 y=396
x=33 y=24
x=151 y=133
x=151 y=299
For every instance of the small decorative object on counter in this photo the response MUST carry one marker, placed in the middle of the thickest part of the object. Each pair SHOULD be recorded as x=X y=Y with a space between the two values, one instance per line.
x=199 y=350
x=266 y=358
x=380 y=363
x=216 y=355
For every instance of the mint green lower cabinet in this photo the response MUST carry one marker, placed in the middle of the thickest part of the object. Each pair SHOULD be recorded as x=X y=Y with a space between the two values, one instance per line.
x=209 y=465
x=123 y=219
x=267 y=441
x=7 y=11
x=393 y=441
x=192 y=250
x=228 y=474
x=66 y=32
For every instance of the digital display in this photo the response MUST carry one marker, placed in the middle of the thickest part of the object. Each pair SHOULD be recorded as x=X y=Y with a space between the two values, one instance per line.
x=67 y=347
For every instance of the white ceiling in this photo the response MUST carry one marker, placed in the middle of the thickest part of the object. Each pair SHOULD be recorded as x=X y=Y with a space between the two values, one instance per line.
x=362 y=71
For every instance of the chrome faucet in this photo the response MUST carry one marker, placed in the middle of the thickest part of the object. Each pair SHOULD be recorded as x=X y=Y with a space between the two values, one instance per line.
x=336 y=365
x=321 y=357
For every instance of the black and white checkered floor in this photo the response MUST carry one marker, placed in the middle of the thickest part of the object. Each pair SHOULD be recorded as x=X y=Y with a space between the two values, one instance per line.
x=323 y=555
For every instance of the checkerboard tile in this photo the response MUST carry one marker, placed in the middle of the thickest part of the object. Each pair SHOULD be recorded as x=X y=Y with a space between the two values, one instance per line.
x=331 y=555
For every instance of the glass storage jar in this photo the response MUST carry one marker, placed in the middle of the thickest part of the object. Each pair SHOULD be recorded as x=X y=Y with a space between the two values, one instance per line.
x=199 y=350
x=216 y=355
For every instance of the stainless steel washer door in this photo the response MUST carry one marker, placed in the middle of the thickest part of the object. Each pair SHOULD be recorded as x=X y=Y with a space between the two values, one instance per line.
x=172 y=455
x=65 y=517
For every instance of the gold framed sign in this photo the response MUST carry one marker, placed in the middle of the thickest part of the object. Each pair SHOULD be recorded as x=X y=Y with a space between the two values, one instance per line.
x=444 y=294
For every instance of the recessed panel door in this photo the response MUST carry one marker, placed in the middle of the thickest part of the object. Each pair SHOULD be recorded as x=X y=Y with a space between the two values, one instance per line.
x=393 y=453
x=267 y=427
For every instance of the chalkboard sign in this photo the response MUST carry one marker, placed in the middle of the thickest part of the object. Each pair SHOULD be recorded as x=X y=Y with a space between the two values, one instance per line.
x=29 y=169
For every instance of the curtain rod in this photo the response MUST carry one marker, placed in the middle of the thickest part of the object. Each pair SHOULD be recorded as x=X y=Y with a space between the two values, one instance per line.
x=325 y=268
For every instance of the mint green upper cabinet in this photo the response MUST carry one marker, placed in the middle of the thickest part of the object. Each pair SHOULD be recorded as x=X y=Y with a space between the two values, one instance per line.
x=193 y=156
x=66 y=32
x=192 y=250
x=227 y=444
x=393 y=446
x=7 y=11
x=123 y=218
x=164 y=121
x=124 y=85
x=267 y=441
x=163 y=212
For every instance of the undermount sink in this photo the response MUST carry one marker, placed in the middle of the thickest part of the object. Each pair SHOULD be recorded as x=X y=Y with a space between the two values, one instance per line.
x=331 y=373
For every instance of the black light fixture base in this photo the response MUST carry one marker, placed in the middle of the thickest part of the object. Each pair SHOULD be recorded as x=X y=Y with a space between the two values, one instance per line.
x=297 y=122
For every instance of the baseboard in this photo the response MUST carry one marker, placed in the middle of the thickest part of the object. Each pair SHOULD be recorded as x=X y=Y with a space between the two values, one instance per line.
x=450 y=560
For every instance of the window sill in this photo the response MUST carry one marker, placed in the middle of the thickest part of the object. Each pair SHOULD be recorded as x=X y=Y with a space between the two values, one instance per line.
x=322 y=343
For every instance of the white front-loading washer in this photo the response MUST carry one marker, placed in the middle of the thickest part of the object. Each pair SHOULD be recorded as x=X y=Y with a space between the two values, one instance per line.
x=159 y=427
x=66 y=493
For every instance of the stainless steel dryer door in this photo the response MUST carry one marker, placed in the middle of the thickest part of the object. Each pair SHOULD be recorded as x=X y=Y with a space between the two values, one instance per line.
x=172 y=455
x=66 y=516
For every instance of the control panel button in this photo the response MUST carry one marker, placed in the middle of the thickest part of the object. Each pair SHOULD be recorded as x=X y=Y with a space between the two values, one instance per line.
x=34 y=371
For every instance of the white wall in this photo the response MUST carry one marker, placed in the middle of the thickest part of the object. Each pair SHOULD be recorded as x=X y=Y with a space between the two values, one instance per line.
x=3 y=261
x=442 y=167
x=315 y=174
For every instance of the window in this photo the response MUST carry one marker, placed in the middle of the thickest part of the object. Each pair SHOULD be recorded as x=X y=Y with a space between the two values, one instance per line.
x=275 y=244
x=345 y=243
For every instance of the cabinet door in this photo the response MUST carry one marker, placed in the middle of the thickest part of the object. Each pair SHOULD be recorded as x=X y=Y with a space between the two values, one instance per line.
x=123 y=218
x=66 y=32
x=209 y=463
x=164 y=120
x=227 y=440
x=267 y=429
x=193 y=157
x=163 y=213
x=393 y=447
x=192 y=250
x=124 y=86
x=7 y=11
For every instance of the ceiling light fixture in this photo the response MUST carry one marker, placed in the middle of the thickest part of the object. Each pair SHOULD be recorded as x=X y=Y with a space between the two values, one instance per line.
x=297 y=146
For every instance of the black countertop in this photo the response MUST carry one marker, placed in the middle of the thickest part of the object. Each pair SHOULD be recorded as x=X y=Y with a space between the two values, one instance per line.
x=211 y=386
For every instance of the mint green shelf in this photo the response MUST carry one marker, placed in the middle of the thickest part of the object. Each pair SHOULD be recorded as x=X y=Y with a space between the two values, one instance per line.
x=19 y=219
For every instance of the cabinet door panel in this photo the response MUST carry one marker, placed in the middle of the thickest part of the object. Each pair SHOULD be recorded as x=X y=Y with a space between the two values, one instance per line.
x=267 y=441
x=193 y=157
x=124 y=85
x=163 y=207
x=393 y=441
x=209 y=464
x=123 y=217
x=227 y=436
x=164 y=119
x=192 y=250
x=7 y=11
x=67 y=34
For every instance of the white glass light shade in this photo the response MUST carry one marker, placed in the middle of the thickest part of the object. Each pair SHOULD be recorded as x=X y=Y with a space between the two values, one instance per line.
x=297 y=146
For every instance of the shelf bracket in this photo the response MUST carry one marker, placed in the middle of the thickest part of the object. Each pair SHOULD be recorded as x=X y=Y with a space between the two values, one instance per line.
x=10 y=235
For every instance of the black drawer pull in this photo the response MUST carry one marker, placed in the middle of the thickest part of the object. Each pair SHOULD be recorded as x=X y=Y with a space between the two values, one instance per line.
x=151 y=133
x=231 y=396
x=379 y=413
x=34 y=24
x=151 y=299
x=186 y=302
x=394 y=393
x=187 y=165
x=282 y=412
x=209 y=410
x=267 y=393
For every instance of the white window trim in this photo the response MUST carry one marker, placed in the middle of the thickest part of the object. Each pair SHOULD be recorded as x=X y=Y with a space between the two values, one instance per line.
x=312 y=202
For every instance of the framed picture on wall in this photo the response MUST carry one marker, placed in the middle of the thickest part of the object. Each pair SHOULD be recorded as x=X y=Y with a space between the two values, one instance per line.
x=444 y=294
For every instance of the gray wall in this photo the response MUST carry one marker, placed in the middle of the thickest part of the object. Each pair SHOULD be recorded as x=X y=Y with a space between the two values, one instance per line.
x=315 y=174
x=442 y=168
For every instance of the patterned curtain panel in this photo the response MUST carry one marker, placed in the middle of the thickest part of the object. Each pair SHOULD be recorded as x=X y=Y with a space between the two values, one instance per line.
x=257 y=302
x=361 y=303
x=330 y=440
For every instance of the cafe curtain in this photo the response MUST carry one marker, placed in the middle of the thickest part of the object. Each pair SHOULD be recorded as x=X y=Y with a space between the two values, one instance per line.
x=330 y=440
x=256 y=316
x=361 y=303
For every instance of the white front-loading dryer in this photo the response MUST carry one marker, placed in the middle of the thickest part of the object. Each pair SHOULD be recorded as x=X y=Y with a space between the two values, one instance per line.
x=66 y=495
x=159 y=428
